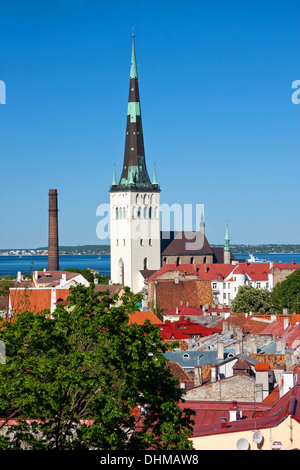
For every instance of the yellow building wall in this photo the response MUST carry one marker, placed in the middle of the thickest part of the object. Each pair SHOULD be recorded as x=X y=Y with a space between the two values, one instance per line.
x=287 y=432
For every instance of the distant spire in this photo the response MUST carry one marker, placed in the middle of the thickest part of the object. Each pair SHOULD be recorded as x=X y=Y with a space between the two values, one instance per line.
x=202 y=224
x=154 y=176
x=133 y=68
x=114 y=183
x=227 y=240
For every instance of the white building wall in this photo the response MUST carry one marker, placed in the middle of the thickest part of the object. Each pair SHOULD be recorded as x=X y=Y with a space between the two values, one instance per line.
x=135 y=236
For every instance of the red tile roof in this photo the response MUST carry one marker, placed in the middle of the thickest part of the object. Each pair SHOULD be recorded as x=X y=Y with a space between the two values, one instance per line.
x=291 y=334
x=140 y=316
x=256 y=415
x=255 y=271
x=184 y=310
x=32 y=300
x=184 y=329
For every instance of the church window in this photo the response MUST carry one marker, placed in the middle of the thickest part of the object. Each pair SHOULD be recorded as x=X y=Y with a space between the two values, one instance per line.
x=124 y=213
x=139 y=213
x=145 y=213
x=141 y=242
x=117 y=213
x=120 y=212
x=150 y=212
x=117 y=242
x=150 y=242
x=145 y=263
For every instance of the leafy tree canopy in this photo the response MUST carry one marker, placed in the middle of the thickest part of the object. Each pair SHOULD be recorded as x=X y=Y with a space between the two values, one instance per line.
x=87 y=379
x=286 y=294
x=250 y=299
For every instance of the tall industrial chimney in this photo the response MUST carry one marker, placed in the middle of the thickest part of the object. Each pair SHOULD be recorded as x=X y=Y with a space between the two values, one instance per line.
x=53 y=262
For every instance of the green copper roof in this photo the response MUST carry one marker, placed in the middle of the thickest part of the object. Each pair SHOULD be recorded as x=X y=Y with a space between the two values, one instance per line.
x=227 y=239
x=133 y=69
x=154 y=176
x=114 y=177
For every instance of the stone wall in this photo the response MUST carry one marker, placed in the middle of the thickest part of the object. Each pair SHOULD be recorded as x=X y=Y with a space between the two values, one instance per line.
x=239 y=388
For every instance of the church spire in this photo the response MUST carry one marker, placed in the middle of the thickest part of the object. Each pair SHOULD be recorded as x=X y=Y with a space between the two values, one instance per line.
x=134 y=173
x=227 y=240
x=227 y=254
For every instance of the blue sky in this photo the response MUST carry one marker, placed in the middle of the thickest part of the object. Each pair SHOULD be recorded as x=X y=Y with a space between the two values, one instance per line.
x=215 y=83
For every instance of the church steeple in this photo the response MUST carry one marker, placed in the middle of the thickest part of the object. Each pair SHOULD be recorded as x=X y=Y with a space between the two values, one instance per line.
x=134 y=173
x=227 y=240
x=227 y=254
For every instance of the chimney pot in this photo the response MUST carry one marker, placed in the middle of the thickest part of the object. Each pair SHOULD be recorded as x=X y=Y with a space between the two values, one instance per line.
x=223 y=422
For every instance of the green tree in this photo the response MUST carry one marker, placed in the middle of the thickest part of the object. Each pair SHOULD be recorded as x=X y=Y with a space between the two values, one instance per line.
x=251 y=299
x=90 y=276
x=286 y=294
x=88 y=363
x=5 y=283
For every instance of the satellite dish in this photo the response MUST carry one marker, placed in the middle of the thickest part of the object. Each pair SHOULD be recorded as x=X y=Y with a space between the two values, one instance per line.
x=257 y=437
x=242 y=444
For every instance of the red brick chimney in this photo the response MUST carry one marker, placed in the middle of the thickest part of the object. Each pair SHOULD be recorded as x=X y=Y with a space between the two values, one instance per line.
x=53 y=261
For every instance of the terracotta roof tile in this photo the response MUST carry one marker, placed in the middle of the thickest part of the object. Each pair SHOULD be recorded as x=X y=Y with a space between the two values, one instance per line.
x=140 y=316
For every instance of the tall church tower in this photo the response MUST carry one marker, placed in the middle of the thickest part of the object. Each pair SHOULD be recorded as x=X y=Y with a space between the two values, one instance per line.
x=227 y=254
x=134 y=203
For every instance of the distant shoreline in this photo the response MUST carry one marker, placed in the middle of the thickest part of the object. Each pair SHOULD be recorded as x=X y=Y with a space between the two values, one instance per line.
x=98 y=250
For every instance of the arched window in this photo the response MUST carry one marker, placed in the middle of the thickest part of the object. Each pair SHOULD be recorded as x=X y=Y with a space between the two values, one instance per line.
x=121 y=272
x=150 y=212
x=117 y=213
x=124 y=213
x=139 y=213
x=145 y=213
x=120 y=212
x=145 y=263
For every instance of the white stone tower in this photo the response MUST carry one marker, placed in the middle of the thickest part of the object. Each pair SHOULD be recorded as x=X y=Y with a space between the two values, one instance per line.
x=134 y=203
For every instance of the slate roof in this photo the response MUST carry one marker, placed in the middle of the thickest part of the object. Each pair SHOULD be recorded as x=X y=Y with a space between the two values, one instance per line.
x=180 y=245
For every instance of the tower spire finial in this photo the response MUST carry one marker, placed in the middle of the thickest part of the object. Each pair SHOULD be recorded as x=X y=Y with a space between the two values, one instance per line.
x=133 y=32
